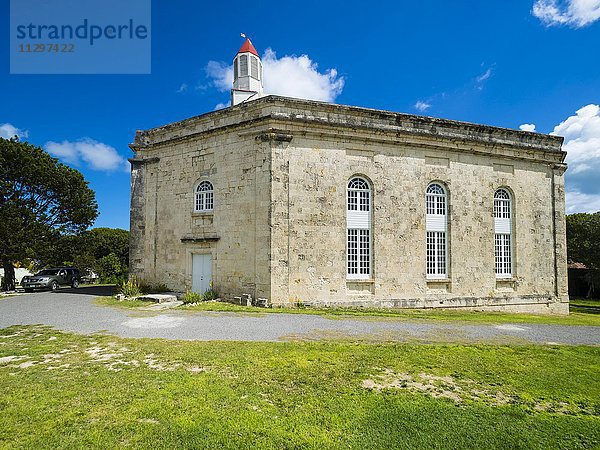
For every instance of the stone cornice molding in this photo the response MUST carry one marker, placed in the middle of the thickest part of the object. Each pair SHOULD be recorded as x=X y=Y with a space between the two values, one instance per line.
x=317 y=118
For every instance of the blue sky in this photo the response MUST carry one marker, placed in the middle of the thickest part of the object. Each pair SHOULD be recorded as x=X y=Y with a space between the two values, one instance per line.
x=494 y=62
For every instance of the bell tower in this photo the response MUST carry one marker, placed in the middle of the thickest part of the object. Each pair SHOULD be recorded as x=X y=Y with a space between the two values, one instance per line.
x=247 y=74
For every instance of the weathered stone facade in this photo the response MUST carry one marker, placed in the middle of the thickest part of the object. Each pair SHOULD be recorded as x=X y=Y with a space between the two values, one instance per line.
x=280 y=167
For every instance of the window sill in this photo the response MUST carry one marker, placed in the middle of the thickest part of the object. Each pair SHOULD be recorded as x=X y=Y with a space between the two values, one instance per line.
x=202 y=213
x=360 y=280
x=438 y=280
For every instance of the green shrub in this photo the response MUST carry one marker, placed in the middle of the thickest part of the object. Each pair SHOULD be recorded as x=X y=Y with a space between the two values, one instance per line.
x=191 y=297
x=113 y=279
x=129 y=288
x=160 y=288
x=110 y=269
x=211 y=293
x=299 y=304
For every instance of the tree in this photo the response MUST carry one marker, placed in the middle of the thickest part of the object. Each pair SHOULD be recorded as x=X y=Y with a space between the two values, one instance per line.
x=583 y=239
x=40 y=200
x=104 y=241
x=583 y=245
x=85 y=251
x=109 y=268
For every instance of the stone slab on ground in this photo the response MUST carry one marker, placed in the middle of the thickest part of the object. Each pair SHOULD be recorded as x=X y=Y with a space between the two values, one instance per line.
x=163 y=305
x=158 y=298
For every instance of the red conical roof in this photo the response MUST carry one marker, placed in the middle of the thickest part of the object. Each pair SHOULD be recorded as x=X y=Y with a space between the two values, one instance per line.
x=248 y=47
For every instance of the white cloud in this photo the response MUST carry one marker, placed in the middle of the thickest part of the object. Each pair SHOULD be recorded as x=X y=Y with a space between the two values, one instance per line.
x=580 y=202
x=422 y=106
x=582 y=144
x=222 y=105
x=527 y=127
x=289 y=76
x=298 y=76
x=96 y=155
x=582 y=139
x=485 y=75
x=472 y=84
x=574 y=13
x=182 y=88
x=8 y=131
x=221 y=75
x=481 y=79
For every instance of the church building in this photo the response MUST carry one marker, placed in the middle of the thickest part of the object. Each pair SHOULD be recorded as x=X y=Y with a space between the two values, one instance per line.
x=298 y=201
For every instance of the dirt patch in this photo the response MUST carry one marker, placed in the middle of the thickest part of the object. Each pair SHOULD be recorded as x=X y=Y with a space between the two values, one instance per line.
x=112 y=356
x=460 y=391
x=154 y=364
x=8 y=359
x=195 y=369
x=8 y=336
x=435 y=386
x=26 y=364
x=153 y=421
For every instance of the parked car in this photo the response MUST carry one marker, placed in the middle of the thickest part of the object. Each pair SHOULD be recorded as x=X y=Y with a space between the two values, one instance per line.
x=52 y=279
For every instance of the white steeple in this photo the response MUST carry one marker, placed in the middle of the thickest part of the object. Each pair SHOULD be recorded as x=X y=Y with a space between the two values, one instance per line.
x=247 y=74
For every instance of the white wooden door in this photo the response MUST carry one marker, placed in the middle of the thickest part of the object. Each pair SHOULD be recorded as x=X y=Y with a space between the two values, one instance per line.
x=201 y=272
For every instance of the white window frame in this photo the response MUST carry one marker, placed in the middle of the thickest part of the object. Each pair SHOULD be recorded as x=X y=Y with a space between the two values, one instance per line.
x=436 y=232
x=204 y=196
x=503 y=235
x=359 y=234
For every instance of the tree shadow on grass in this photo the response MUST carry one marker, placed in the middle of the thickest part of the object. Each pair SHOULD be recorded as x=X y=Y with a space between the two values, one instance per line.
x=585 y=307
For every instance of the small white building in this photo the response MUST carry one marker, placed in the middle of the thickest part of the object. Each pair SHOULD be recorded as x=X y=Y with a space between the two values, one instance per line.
x=19 y=274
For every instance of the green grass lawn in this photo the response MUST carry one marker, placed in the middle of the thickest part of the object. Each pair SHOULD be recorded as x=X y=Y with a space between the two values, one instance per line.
x=66 y=390
x=581 y=312
x=584 y=306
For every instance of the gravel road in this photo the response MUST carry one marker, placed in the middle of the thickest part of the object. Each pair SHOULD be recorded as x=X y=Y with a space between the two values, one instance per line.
x=74 y=310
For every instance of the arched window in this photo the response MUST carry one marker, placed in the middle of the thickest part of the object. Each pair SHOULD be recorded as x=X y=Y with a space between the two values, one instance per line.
x=358 y=229
x=503 y=233
x=204 y=198
x=436 y=226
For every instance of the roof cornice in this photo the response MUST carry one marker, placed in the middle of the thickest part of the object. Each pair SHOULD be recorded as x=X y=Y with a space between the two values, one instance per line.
x=330 y=115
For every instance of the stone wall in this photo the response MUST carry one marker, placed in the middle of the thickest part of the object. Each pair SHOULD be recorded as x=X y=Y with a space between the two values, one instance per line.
x=280 y=168
x=166 y=231
x=311 y=227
